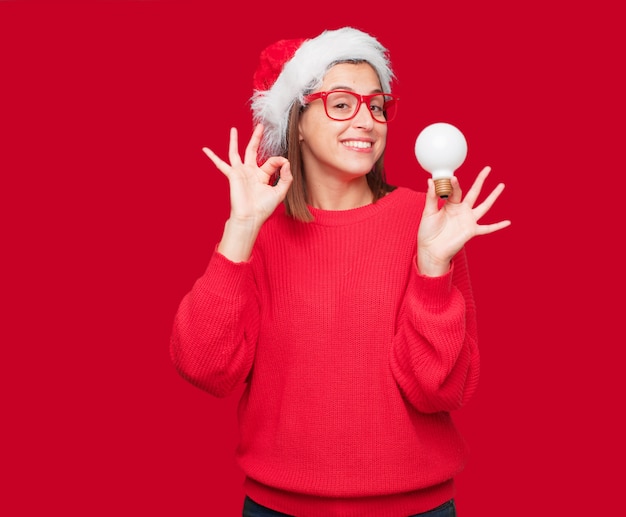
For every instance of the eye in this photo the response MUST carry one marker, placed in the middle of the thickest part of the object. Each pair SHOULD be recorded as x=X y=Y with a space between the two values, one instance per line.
x=340 y=101
x=377 y=104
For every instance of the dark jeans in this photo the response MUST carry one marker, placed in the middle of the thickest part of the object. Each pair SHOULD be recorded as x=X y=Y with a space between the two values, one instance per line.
x=252 y=509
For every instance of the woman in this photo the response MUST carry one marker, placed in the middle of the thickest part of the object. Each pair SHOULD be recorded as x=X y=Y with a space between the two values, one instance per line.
x=342 y=303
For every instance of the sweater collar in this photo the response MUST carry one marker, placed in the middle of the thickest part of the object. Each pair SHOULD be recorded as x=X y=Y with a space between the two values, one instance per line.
x=354 y=215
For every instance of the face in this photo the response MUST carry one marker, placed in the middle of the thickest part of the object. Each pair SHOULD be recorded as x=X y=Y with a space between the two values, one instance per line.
x=342 y=149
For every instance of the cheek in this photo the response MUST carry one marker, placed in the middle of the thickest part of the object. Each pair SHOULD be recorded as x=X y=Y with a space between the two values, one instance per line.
x=315 y=128
x=382 y=138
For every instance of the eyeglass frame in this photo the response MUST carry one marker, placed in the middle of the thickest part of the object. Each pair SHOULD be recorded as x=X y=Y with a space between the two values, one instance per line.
x=361 y=98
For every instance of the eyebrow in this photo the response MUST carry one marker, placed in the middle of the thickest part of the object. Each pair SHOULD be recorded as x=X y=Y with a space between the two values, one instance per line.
x=342 y=87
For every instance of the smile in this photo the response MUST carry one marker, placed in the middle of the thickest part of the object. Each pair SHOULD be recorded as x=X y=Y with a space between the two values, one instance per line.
x=358 y=144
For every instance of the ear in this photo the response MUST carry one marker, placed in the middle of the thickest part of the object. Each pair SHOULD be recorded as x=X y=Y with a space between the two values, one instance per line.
x=300 y=137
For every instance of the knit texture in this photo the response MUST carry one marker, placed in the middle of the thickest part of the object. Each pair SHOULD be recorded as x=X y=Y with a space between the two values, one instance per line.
x=352 y=361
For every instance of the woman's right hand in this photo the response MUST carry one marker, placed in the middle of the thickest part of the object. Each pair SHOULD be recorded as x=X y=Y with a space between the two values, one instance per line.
x=252 y=198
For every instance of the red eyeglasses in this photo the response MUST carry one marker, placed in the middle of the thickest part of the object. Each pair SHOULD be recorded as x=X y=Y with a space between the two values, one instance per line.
x=344 y=105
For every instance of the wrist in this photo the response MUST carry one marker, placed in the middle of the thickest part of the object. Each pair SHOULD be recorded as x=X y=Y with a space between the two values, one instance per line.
x=431 y=266
x=238 y=239
x=243 y=225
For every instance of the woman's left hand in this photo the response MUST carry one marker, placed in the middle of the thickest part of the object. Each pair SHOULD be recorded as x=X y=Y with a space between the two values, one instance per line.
x=445 y=230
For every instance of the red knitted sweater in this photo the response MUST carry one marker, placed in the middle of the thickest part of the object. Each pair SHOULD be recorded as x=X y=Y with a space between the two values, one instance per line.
x=352 y=361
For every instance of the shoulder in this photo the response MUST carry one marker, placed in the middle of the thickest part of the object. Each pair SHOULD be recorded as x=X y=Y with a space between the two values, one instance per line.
x=407 y=194
x=404 y=199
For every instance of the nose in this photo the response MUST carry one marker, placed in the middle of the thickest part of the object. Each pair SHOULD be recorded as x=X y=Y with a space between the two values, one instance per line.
x=363 y=117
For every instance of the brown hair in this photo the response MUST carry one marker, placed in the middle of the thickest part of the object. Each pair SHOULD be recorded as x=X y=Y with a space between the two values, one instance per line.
x=296 y=199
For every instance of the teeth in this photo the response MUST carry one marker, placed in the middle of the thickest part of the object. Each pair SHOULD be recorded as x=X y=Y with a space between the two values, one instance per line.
x=358 y=144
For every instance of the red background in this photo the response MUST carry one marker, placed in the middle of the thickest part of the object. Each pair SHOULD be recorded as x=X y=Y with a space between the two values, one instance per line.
x=110 y=211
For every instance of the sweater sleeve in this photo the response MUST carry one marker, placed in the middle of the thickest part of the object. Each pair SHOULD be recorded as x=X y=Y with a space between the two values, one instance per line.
x=216 y=327
x=435 y=358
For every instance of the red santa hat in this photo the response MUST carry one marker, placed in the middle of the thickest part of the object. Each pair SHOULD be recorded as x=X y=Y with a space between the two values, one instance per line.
x=290 y=69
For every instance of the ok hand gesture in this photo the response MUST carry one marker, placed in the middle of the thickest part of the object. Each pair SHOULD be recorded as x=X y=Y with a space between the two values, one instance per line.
x=252 y=198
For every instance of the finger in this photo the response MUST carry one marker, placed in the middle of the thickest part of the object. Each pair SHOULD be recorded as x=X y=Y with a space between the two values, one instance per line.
x=252 y=148
x=217 y=161
x=485 y=229
x=270 y=170
x=456 y=195
x=484 y=207
x=284 y=180
x=233 y=148
x=474 y=191
x=273 y=164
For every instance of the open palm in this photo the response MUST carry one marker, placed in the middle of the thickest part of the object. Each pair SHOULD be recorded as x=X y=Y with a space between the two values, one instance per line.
x=445 y=229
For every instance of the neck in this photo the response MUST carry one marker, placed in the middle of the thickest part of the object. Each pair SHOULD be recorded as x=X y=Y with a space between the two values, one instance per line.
x=339 y=195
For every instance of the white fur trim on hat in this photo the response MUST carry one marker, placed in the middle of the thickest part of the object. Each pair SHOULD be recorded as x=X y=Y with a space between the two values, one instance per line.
x=305 y=71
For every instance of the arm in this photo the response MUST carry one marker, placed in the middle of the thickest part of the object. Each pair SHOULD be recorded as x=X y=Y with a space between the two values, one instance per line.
x=216 y=326
x=435 y=357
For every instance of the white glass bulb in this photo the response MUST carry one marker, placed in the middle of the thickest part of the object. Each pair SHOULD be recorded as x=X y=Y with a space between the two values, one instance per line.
x=441 y=149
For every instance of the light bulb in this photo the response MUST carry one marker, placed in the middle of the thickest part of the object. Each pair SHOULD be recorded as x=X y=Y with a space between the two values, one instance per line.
x=441 y=149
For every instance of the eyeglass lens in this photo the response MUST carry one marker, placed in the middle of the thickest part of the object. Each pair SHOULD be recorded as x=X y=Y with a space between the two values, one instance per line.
x=343 y=106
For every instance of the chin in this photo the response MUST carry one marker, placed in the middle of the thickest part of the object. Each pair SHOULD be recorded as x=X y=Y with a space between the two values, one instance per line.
x=361 y=170
x=357 y=173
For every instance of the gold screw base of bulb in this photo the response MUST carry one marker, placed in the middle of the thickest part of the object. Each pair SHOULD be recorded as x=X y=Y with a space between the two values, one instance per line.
x=443 y=187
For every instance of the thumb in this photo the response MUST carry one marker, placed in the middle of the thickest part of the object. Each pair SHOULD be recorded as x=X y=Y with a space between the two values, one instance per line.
x=431 y=205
